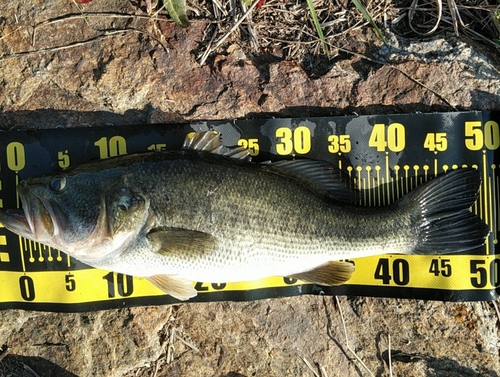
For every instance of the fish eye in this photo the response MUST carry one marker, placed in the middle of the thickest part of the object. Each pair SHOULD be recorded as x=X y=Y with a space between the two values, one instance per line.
x=58 y=183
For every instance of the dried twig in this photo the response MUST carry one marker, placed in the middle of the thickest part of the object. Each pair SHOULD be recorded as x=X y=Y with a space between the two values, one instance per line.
x=347 y=339
x=12 y=32
x=4 y=353
x=496 y=310
x=404 y=73
x=309 y=364
x=105 y=35
x=228 y=33
x=105 y=15
x=57 y=48
x=186 y=343
x=411 y=15
x=157 y=367
x=455 y=15
x=254 y=42
x=390 y=354
x=170 y=346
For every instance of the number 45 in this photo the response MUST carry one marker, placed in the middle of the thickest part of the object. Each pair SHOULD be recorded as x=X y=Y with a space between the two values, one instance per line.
x=436 y=142
x=440 y=267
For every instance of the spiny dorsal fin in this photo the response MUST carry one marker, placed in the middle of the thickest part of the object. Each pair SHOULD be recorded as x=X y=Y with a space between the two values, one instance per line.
x=209 y=141
x=320 y=175
x=331 y=273
x=176 y=287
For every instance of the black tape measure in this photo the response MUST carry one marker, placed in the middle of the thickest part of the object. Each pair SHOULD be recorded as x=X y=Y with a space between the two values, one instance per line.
x=386 y=155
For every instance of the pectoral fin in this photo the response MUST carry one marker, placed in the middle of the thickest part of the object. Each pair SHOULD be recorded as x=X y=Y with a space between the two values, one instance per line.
x=182 y=241
x=331 y=273
x=176 y=287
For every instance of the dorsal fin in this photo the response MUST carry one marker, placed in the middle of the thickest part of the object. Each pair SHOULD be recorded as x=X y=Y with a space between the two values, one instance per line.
x=209 y=141
x=321 y=176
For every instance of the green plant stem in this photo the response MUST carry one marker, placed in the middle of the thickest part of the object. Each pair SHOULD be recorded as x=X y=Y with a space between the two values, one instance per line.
x=317 y=25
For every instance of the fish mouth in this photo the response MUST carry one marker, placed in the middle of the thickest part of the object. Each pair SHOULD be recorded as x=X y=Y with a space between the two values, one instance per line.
x=15 y=221
x=37 y=220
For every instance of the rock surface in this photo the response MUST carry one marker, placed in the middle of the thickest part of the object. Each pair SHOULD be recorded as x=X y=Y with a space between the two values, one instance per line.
x=153 y=76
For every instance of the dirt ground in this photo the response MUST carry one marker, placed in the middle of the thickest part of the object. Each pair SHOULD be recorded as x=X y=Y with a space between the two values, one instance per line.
x=107 y=62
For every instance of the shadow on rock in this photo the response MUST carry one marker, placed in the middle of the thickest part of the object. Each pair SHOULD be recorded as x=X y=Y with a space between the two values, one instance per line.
x=318 y=111
x=24 y=366
x=481 y=99
x=51 y=118
x=316 y=66
x=441 y=367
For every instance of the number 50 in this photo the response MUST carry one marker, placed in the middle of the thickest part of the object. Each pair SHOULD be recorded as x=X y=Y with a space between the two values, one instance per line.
x=477 y=136
x=481 y=279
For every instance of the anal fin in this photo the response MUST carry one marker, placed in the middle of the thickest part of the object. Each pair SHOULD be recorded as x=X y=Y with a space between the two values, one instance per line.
x=181 y=289
x=330 y=273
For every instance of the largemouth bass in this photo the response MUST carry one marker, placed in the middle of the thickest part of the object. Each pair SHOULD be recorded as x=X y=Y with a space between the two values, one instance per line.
x=206 y=213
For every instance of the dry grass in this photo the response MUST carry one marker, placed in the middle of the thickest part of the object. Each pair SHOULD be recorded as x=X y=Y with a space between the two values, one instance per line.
x=286 y=28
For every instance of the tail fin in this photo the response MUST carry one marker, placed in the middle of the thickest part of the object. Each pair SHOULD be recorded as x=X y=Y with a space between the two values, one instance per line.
x=443 y=219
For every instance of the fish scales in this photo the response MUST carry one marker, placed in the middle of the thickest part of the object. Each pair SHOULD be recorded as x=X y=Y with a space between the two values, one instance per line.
x=262 y=220
x=263 y=216
x=207 y=214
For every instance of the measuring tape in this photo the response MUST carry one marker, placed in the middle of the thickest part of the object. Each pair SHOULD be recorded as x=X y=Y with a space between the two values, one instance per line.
x=386 y=156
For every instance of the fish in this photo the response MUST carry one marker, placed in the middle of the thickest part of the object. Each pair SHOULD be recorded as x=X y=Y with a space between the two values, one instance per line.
x=207 y=213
